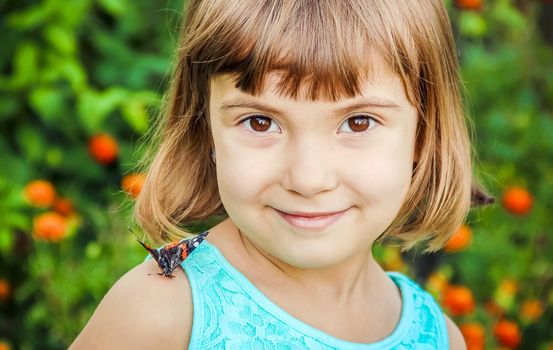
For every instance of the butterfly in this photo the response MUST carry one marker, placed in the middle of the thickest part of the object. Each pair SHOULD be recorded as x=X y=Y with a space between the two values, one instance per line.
x=170 y=256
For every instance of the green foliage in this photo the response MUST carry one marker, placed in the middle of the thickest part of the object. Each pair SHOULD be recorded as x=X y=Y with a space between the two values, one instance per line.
x=507 y=69
x=72 y=69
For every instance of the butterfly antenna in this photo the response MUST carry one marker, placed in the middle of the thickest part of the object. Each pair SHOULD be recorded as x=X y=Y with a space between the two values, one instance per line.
x=130 y=229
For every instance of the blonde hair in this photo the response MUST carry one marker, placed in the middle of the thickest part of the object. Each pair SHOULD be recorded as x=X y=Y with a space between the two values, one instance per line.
x=325 y=47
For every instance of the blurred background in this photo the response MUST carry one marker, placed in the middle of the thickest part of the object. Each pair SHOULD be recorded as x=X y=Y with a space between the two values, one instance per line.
x=81 y=81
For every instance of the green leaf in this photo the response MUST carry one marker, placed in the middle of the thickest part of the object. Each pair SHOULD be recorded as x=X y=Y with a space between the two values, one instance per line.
x=94 y=107
x=14 y=168
x=135 y=114
x=74 y=72
x=48 y=103
x=39 y=313
x=6 y=239
x=473 y=24
x=54 y=156
x=135 y=110
x=31 y=142
x=505 y=13
x=9 y=107
x=93 y=250
x=115 y=7
x=29 y=19
x=25 y=62
x=17 y=220
x=62 y=39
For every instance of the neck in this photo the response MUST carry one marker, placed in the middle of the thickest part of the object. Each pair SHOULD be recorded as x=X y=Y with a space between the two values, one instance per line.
x=340 y=282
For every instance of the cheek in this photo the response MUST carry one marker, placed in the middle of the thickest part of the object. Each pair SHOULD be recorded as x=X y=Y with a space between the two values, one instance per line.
x=244 y=172
x=384 y=176
x=382 y=183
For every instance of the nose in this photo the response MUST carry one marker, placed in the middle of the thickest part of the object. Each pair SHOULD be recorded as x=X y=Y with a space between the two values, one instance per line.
x=310 y=169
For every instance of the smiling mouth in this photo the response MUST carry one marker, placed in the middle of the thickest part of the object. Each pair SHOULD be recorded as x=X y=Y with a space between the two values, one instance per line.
x=311 y=220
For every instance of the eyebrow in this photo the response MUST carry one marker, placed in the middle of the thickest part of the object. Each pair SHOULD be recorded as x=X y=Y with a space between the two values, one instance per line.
x=372 y=101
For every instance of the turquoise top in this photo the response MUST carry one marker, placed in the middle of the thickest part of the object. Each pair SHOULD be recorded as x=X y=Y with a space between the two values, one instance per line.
x=231 y=313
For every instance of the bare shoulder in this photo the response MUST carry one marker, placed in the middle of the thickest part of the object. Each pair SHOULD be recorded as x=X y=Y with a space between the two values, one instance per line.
x=141 y=311
x=456 y=339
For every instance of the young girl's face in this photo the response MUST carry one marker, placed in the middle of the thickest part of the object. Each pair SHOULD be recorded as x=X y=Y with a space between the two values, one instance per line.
x=345 y=164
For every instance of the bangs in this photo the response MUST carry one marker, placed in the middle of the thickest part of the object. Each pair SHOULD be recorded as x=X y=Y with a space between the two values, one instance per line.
x=325 y=49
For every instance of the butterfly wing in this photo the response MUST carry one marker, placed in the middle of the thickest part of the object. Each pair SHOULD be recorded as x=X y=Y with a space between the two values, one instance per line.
x=169 y=257
x=155 y=254
x=174 y=254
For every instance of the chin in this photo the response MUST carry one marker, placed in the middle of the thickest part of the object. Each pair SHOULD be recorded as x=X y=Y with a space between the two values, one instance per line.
x=314 y=256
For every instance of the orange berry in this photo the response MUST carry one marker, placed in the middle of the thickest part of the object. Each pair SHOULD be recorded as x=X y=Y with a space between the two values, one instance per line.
x=5 y=289
x=517 y=201
x=474 y=335
x=507 y=333
x=4 y=345
x=460 y=240
x=531 y=310
x=64 y=206
x=133 y=183
x=469 y=4
x=458 y=300
x=103 y=148
x=50 y=226
x=40 y=193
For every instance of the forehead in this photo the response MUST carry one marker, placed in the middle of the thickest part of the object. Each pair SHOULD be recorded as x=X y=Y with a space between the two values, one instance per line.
x=380 y=85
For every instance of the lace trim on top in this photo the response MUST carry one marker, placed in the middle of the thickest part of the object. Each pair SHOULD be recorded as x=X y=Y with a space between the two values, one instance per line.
x=231 y=313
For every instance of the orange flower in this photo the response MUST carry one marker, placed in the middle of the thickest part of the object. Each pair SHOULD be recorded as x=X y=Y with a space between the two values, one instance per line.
x=507 y=333
x=133 y=183
x=103 y=148
x=5 y=289
x=50 y=226
x=474 y=335
x=531 y=310
x=4 y=345
x=517 y=201
x=458 y=300
x=460 y=240
x=64 y=206
x=40 y=193
x=469 y=4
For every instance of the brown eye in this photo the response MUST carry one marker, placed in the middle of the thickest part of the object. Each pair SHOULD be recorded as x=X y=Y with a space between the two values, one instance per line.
x=260 y=124
x=358 y=124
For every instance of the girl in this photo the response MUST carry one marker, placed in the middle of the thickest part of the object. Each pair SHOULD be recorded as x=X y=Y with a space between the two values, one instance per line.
x=315 y=128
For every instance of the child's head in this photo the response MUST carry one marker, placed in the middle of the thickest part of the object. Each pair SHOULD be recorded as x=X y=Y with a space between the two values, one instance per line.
x=314 y=56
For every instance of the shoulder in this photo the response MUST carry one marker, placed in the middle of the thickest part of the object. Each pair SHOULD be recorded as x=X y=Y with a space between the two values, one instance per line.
x=456 y=339
x=141 y=311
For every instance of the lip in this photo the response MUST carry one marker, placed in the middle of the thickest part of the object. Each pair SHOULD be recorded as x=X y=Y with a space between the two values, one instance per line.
x=311 y=220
